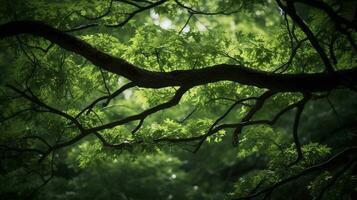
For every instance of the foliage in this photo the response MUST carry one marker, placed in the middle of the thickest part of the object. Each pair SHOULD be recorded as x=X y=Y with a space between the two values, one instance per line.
x=75 y=128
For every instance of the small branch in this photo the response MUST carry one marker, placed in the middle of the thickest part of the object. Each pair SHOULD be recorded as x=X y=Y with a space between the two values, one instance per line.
x=333 y=180
x=209 y=132
x=330 y=12
x=188 y=116
x=105 y=82
x=188 y=20
x=258 y=105
x=3 y=119
x=300 y=108
x=38 y=138
x=107 y=12
x=130 y=3
x=199 y=12
x=50 y=109
x=133 y=14
x=122 y=145
x=141 y=116
x=290 y=9
x=20 y=150
x=107 y=98
x=137 y=127
x=319 y=167
x=294 y=50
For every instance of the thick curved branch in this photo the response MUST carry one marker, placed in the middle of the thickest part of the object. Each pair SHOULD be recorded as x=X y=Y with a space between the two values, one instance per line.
x=188 y=78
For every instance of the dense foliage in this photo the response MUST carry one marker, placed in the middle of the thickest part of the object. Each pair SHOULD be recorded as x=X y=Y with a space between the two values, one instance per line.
x=136 y=99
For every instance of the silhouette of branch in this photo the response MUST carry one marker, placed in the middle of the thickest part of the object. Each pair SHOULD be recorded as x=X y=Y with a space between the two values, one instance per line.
x=319 y=167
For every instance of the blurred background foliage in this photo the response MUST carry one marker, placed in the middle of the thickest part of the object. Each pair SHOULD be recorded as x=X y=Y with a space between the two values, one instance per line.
x=167 y=38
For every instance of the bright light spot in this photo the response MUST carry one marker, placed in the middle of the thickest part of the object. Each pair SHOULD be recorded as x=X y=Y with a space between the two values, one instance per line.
x=259 y=12
x=281 y=11
x=233 y=25
x=120 y=81
x=170 y=196
x=166 y=24
x=201 y=27
x=173 y=176
x=127 y=94
x=154 y=15
x=195 y=187
x=186 y=29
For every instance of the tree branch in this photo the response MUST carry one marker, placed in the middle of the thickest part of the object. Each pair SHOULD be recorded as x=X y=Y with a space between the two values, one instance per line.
x=290 y=9
x=258 y=105
x=300 y=108
x=188 y=78
x=107 y=98
x=319 y=167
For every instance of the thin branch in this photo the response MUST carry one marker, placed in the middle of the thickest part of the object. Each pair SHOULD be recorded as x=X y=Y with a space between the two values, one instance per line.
x=199 y=12
x=141 y=122
x=330 y=12
x=290 y=9
x=133 y=14
x=319 y=167
x=172 y=102
x=188 y=116
x=20 y=150
x=188 y=20
x=331 y=49
x=258 y=105
x=15 y=114
x=108 y=10
x=209 y=132
x=287 y=64
x=141 y=116
x=300 y=108
x=333 y=180
x=130 y=3
x=89 y=108
x=38 y=138
x=50 y=109
x=105 y=82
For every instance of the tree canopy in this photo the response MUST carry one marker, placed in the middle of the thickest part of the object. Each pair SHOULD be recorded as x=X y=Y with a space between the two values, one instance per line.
x=174 y=99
